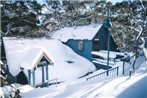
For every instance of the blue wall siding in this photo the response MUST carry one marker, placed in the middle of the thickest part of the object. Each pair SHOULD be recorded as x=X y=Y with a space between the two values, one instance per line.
x=88 y=44
x=103 y=36
x=87 y=47
x=113 y=46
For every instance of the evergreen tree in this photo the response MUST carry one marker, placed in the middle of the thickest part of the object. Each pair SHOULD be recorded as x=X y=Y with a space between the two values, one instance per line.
x=128 y=19
x=21 y=18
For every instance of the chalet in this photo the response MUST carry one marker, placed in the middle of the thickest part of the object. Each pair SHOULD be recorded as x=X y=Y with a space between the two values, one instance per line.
x=35 y=64
x=85 y=39
x=29 y=61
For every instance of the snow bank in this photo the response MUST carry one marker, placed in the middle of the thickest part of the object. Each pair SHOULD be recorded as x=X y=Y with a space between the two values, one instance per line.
x=23 y=88
x=78 y=32
x=103 y=54
x=122 y=87
x=67 y=64
x=108 y=87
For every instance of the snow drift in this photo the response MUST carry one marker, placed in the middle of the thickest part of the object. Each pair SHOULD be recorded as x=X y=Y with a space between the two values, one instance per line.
x=67 y=65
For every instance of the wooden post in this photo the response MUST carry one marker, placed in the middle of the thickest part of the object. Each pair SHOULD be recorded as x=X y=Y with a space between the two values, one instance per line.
x=56 y=83
x=29 y=77
x=108 y=49
x=108 y=46
x=33 y=73
x=46 y=72
x=117 y=70
x=42 y=74
x=123 y=68
x=47 y=76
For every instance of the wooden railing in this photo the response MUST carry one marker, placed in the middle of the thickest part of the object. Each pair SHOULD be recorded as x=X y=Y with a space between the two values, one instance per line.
x=112 y=72
x=49 y=82
x=55 y=81
x=126 y=60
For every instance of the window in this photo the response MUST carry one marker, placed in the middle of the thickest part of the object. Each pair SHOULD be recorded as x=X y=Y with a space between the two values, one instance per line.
x=80 y=45
x=96 y=45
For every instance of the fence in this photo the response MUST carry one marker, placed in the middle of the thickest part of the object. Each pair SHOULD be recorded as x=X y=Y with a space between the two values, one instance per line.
x=53 y=81
x=128 y=59
x=48 y=83
x=112 y=72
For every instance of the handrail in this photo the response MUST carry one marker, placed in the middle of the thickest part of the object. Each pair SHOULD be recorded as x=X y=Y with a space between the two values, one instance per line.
x=56 y=79
x=48 y=82
x=130 y=57
x=123 y=71
x=105 y=73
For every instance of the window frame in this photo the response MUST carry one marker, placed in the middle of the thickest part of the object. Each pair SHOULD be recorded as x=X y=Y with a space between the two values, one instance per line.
x=80 y=45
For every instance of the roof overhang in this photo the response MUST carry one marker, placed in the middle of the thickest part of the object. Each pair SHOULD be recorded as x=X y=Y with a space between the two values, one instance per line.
x=33 y=57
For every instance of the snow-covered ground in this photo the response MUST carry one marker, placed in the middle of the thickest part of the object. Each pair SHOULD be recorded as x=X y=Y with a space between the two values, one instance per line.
x=104 y=54
x=17 y=49
x=101 y=57
x=121 y=86
x=107 y=87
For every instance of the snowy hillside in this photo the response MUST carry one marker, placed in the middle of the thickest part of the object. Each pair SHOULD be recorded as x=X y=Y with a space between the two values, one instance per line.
x=108 y=87
x=104 y=87
x=67 y=65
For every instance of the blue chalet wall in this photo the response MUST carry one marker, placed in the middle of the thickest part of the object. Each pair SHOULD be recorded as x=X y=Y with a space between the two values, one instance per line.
x=87 y=48
x=103 y=40
x=102 y=35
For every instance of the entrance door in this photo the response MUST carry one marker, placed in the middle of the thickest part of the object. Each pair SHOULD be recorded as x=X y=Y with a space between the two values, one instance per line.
x=96 y=45
x=42 y=73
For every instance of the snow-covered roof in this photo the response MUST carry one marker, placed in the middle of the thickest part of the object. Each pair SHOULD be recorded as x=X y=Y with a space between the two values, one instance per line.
x=18 y=49
x=78 y=32
x=33 y=57
x=103 y=54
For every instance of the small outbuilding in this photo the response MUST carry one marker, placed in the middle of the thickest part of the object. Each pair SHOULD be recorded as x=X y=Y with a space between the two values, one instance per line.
x=35 y=64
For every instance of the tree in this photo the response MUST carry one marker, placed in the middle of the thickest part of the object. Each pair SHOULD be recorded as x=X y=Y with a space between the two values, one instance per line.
x=21 y=18
x=126 y=19
x=73 y=13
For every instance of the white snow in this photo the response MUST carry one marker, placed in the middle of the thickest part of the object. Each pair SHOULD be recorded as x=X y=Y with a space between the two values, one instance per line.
x=121 y=86
x=79 y=32
x=103 y=54
x=23 y=88
x=112 y=52
x=17 y=49
x=106 y=87
x=103 y=62
x=34 y=56
x=112 y=87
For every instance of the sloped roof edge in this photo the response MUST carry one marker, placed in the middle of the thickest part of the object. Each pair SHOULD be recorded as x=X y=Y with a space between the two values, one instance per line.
x=77 y=32
x=33 y=57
